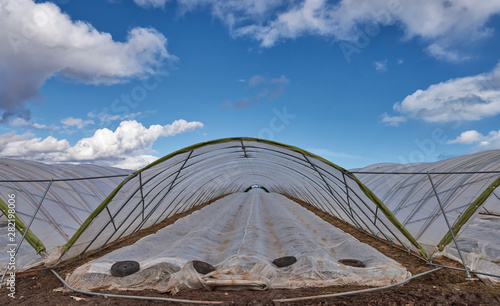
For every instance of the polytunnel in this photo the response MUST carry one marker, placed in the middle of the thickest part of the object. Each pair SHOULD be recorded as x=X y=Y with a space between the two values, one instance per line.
x=459 y=193
x=403 y=204
x=53 y=200
x=205 y=171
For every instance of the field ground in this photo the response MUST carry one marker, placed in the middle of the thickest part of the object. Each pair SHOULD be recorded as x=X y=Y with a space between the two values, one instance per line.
x=444 y=287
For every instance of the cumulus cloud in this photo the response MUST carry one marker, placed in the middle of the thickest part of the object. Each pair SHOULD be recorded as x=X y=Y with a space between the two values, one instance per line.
x=442 y=53
x=151 y=3
x=481 y=142
x=461 y=99
x=127 y=138
x=443 y=21
x=392 y=121
x=26 y=124
x=104 y=117
x=76 y=122
x=467 y=137
x=68 y=49
x=28 y=146
x=129 y=146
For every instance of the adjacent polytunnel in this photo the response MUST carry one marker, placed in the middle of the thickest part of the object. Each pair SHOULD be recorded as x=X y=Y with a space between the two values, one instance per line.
x=55 y=199
x=430 y=198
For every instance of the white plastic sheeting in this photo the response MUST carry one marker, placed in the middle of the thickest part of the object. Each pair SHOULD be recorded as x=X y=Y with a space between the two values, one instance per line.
x=480 y=245
x=241 y=235
x=412 y=200
x=65 y=207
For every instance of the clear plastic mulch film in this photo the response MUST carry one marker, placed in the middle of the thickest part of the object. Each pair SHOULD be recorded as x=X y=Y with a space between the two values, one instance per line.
x=240 y=235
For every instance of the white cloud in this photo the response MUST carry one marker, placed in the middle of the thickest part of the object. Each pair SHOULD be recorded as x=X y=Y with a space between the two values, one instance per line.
x=468 y=137
x=490 y=142
x=234 y=12
x=40 y=126
x=104 y=117
x=441 y=53
x=462 y=99
x=76 y=122
x=381 y=65
x=435 y=21
x=30 y=125
x=127 y=138
x=482 y=142
x=65 y=48
x=392 y=121
x=151 y=3
x=27 y=146
x=133 y=162
x=127 y=147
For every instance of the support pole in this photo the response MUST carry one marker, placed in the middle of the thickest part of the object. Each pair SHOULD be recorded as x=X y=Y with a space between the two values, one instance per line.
x=28 y=228
x=142 y=194
x=345 y=210
x=347 y=192
x=449 y=227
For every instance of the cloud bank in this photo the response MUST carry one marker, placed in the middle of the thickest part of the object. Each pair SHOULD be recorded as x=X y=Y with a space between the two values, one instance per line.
x=272 y=21
x=129 y=146
x=469 y=98
x=462 y=99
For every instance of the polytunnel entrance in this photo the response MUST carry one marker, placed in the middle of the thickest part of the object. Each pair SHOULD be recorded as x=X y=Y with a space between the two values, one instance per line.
x=256 y=186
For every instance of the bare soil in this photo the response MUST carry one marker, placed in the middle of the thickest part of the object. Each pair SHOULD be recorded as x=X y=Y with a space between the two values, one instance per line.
x=444 y=287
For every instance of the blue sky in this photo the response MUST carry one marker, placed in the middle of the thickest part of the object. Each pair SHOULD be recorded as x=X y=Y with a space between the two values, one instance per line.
x=122 y=83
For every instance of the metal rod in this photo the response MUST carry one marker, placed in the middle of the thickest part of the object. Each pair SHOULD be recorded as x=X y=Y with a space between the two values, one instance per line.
x=496 y=195
x=168 y=191
x=142 y=194
x=460 y=269
x=423 y=173
x=132 y=296
x=63 y=179
x=347 y=192
x=27 y=229
x=449 y=226
x=244 y=150
x=329 y=189
x=111 y=218
x=355 y=292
